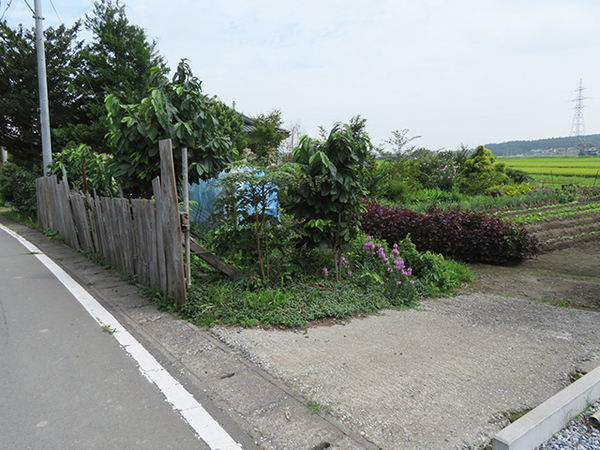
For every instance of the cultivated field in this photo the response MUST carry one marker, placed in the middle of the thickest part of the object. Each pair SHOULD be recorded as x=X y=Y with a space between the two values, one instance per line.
x=556 y=171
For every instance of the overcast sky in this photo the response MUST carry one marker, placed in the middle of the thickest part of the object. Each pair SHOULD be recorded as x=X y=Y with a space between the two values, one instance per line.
x=453 y=72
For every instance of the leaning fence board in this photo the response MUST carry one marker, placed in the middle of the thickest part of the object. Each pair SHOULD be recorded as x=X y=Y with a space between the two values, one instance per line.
x=69 y=231
x=81 y=222
x=168 y=211
x=88 y=202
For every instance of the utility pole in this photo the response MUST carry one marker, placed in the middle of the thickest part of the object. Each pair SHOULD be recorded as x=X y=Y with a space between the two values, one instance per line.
x=578 y=126
x=43 y=87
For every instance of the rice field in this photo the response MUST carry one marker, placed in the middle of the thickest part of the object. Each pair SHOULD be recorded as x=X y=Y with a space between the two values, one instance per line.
x=556 y=171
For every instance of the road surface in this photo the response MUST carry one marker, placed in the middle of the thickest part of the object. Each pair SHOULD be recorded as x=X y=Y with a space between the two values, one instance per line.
x=66 y=382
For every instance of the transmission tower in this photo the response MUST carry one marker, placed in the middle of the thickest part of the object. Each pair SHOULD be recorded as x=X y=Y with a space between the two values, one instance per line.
x=578 y=126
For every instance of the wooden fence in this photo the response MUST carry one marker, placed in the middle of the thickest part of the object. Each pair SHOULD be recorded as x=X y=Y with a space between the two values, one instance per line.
x=139 y=237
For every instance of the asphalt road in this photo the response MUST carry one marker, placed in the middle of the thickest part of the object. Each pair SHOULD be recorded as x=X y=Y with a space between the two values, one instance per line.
x=64 y=382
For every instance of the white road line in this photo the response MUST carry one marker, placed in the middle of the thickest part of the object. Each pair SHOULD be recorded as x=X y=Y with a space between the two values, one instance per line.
x=207 y=428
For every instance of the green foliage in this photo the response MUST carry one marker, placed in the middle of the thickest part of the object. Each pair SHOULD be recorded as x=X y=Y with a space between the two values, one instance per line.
x=439 y=170
x=292 y=306
x=399 y=178
x=518 y=176
x=74 y=159
x=17 y=187
x=174 y=110
x=434 y=274
x=328 y=201
x=231 y=123
x=19 y=92
x=267 y=135
x=399 y=143
x=311 y=297
x=481 y=171
x=118 y=61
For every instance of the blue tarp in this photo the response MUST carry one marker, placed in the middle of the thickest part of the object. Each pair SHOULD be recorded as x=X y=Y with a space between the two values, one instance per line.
x=204 y=193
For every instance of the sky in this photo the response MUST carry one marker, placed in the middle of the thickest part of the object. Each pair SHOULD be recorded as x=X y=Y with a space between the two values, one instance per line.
x=453 y=72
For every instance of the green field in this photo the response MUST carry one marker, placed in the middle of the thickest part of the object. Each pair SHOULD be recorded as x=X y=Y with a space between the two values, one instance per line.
x=584 y=166
x=556 y=171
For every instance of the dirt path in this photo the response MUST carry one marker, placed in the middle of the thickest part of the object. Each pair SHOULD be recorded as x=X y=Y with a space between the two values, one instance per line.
x=564 y=277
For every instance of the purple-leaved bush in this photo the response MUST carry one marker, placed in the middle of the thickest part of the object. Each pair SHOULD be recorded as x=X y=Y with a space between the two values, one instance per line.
x=465 y=236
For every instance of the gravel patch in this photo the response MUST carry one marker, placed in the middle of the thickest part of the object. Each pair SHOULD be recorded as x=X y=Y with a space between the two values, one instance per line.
x=581 y=434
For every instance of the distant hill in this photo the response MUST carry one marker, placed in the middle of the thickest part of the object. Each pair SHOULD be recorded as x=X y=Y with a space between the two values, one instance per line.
x=513 y=148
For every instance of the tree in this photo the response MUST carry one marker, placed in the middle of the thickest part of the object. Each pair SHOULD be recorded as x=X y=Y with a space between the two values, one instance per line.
x=118 y=61
x=231 y=123
x=328 y=201
x=267 y=134
x=399 y=142
x=174 y=110
x=19 y=93
x=481 y=171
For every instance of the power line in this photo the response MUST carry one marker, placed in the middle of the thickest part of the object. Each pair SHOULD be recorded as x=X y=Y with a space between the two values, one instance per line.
x=56 y=12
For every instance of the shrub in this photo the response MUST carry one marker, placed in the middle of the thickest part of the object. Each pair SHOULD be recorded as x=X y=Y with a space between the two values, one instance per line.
x=469 y=237
x=17 y=187
x=518 y=176
x=399 y=179
x=508 y=190
x=481 y=171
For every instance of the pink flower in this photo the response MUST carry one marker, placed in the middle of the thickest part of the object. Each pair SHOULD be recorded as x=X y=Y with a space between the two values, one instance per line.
x=412 y=281
x=325 y=271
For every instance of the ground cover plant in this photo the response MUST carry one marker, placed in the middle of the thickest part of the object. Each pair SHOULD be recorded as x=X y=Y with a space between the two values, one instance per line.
x=374 y=277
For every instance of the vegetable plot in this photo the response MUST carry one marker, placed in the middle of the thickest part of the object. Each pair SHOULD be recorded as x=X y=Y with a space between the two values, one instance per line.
x=559 y=225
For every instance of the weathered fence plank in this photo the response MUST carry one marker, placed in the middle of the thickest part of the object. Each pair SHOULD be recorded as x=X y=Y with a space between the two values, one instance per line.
x=168 y=211
x=161 y=257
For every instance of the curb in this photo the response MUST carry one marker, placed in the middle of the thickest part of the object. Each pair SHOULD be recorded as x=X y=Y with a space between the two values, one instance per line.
x=540 y=424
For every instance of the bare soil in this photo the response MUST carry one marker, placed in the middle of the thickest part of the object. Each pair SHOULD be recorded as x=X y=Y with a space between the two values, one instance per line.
x=567 y=273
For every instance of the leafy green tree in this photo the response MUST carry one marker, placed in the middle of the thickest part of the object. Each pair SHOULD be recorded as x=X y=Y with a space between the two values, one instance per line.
x=328 y=201
x=118 y=61
x=79 y=159
x=19 y=93
x=267 y=135
x=174 y=110
x=481 y=171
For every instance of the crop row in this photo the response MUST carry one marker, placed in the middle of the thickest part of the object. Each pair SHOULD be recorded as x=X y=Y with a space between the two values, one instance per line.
x=558 y=214
x=570 y=237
